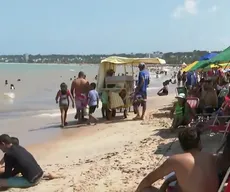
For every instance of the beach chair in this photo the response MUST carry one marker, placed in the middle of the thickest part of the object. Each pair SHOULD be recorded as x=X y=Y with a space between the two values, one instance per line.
x=193 y=102
x=223 y=184
x=223 y=93
x=181 y=90
x=222 y=128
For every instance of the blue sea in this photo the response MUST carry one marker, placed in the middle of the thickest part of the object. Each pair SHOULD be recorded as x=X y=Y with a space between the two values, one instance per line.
x=31 y=106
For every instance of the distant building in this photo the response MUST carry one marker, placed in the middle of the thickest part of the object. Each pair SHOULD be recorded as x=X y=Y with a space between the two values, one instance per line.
x=155 y=54
x=26 y=57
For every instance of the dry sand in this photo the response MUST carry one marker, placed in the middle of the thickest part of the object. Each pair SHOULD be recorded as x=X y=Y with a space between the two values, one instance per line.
x=109 y=157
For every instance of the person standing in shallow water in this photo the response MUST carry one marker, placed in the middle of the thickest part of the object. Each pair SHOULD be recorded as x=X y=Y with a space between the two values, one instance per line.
x=79 y=90
x=62 y=98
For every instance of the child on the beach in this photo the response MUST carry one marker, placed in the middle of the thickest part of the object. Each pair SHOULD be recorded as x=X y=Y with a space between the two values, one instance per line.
x=93 y=102
x=62 y=98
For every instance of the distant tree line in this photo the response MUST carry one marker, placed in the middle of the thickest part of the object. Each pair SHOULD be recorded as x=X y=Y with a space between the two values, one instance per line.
x=170 y=57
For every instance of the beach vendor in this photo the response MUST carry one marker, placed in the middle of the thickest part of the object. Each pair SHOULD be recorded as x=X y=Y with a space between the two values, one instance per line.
x=18 y=160
x=141 y=92
x=79 y=90
x=181 y=112
x=195 y=170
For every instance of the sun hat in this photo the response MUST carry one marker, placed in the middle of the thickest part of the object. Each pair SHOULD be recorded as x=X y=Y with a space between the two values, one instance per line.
x=181 y=96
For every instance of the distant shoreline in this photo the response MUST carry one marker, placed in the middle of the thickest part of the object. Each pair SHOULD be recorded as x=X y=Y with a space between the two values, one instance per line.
x=72 y=64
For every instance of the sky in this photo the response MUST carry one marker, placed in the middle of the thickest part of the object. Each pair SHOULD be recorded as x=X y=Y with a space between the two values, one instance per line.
x=113 y=26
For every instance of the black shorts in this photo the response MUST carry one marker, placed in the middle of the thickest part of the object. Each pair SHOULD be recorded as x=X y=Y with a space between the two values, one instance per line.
x=92 y=109
x=140 y=99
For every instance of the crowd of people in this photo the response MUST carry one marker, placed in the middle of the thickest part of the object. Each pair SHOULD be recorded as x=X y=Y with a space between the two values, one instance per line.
x=211 y=90
x=195 y=170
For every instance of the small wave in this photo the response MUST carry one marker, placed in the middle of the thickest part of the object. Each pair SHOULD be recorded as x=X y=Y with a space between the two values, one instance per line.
x=9 y=95
x=153 y=88
x=72 y=70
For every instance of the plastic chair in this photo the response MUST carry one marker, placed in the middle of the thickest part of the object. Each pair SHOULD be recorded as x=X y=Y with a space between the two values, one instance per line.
x=227 y=189
x=181 y=90
x=193 y=102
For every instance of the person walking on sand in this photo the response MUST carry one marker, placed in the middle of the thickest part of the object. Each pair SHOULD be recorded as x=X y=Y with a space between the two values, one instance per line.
x=62 y=98
x=79 y=90
x=141 y=92
x=193 y=170
x=93 y=102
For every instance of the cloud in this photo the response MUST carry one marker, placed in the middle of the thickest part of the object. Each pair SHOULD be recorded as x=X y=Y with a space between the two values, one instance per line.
x=213 y=9
x=188 y=7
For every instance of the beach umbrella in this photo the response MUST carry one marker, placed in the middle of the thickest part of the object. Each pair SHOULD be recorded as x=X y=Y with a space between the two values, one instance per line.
x=223 y=57
x=208 y=56
x=186 y=69
x=219 y=66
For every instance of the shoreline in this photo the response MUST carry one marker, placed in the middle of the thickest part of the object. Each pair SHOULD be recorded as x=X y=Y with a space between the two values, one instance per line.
x=104 y=157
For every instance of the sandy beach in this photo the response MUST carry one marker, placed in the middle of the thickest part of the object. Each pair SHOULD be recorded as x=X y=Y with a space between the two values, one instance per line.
x=112 y=156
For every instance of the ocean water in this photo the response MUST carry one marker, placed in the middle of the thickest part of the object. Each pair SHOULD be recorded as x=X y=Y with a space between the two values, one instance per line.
x=32 y=106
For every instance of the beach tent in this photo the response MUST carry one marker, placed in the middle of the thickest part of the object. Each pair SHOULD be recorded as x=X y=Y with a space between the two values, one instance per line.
x=186 y=69
x=223 y=57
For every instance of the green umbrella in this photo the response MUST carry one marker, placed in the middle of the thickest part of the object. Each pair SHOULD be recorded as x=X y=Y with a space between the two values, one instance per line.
x=223 y=57
x=200 y=64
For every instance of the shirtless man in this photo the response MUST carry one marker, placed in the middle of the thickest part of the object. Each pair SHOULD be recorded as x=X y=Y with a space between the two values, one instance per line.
x=195 y=171
x=79 y=90
x=209 y=98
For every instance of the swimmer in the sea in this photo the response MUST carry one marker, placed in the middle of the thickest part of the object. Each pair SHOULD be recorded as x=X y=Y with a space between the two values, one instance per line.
x=12 y=87
x=6 y=82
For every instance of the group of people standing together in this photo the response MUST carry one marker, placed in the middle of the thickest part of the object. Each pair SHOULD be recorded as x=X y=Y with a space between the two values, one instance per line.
x=81 y=94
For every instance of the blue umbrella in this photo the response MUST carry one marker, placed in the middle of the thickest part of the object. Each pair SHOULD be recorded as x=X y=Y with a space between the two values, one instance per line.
x=208 y=56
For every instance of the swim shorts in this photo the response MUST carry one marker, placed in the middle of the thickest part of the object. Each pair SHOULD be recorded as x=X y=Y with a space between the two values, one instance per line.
x=140 y=99
x=81 y=101
x=92 y=109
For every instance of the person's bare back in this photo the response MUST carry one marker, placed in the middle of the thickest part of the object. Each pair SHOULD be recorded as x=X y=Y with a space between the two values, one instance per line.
x=196 y=172
x=80 y=85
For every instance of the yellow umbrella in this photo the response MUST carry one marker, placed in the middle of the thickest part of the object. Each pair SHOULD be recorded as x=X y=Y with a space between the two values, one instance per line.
x=186 y=69
x=223 y=65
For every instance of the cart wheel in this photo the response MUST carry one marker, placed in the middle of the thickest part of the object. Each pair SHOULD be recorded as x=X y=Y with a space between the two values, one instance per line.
x=109 y=115
x=113 y=112
x=125 y=113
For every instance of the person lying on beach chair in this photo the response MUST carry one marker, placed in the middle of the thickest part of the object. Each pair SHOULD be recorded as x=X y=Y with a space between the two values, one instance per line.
x=181 y=112
x=195 y=171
